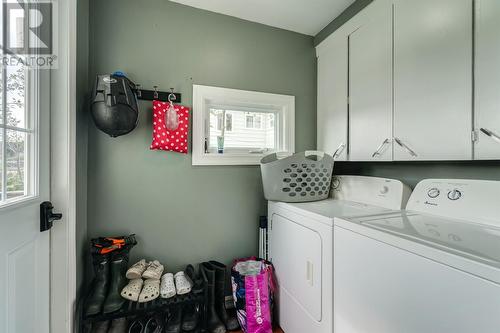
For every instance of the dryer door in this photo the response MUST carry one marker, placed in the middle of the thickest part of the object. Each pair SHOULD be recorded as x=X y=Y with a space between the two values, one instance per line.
x=296 y=252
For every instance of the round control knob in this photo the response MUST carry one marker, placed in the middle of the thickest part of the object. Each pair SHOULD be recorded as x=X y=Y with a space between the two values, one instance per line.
x=433 y=193
x=384 y=190
x=335 y=183
x=454 y=195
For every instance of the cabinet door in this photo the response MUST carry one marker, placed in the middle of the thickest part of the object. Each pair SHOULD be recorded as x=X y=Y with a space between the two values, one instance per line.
x=432 y=79
x=332 y=97
x=487 y=79
x=370 y=89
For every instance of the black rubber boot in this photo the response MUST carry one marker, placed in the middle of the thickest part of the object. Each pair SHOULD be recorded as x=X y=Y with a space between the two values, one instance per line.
x=119 y=325
x=118 y=267
x=96 y=299
x=173 y=321
x=190 y=317
x=221 y=277
x=197 y=281
x=100 y=327
x=215 y=325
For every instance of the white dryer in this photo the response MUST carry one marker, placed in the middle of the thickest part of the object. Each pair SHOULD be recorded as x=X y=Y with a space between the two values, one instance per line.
x=434 y=268
x=301 y=236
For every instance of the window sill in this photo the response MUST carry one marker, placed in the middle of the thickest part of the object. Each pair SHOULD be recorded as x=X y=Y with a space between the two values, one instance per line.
x=227 y=159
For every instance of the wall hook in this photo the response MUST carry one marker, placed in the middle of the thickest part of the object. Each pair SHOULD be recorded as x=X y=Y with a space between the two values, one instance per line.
x=171 y=96
x=155 y=94
x=138 y=89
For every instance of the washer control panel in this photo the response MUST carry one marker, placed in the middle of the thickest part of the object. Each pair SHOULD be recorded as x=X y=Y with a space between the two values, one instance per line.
x=474 y=200
x=382 y=192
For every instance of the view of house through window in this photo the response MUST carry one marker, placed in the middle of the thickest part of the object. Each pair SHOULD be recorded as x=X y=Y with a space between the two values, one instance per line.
x=14 y=134
x=242 y=131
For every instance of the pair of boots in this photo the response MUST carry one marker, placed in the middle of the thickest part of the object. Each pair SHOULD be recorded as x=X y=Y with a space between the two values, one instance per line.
x=182 y=319
x=110 y=265
x=219 y=320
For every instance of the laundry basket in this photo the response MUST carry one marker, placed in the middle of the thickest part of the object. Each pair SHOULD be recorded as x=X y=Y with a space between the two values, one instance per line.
x=301 y=177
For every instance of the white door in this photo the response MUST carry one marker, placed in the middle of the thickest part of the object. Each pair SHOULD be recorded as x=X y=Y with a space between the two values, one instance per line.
x=370 y=89
x=487 y=79
x=24 y=170
x=332 y=97
x=432 y=79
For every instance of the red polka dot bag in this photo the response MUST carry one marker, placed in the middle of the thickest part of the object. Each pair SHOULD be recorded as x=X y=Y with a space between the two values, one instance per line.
x=170 y=140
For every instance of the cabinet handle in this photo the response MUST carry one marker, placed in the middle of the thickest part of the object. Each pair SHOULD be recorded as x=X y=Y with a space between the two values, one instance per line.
x=379 y=149
x=339 y=150
x=408 y=149
x=491 y=134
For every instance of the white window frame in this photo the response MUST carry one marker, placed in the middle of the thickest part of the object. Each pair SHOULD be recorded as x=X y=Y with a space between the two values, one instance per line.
x=205 y=97
x=30 y=130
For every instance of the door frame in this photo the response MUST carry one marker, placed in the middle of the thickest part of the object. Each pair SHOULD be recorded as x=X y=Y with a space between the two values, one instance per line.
x=63 y=172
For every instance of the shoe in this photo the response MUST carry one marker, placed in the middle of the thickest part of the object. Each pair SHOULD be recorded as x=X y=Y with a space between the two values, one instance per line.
x=214 y=324
x=96 y=299
x=221 y=278
x=173 y=321
x=197 y=281
x=136 y=270
x=150 y=291
x=137 y=326
x=167 y=287
x=100 y=327
x=118 y=266
x=182 y=284
x=154 y=325
x=132 y=290
x=190 y=318
x=119 y=325
x=153 y=271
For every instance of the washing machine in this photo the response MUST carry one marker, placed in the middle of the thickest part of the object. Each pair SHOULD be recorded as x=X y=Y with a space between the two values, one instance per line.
x=434 y=268
x=301 y=249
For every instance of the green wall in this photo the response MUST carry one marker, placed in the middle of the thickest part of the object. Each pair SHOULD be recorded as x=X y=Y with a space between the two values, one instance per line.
x=182 y=213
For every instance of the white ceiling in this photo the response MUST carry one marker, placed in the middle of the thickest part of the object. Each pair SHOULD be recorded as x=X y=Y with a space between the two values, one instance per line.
x=304 y=16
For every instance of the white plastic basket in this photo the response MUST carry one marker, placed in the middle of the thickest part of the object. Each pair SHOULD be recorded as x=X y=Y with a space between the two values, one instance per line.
x=301 y=177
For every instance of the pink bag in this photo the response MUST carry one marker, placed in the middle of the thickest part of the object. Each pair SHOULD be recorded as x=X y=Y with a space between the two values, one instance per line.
x=253 y=288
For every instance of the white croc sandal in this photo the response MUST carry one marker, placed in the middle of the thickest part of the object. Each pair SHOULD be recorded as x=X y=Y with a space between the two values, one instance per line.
x=182 y=283
x=167 y=286
x=150 y=291
x=136 y=270
x=132 y=290
x=153 y=271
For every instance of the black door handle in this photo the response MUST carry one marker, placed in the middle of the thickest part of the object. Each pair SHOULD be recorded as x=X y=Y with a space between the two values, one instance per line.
x=47 y=217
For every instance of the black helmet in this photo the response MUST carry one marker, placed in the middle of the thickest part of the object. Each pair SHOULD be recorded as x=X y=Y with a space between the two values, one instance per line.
x=114 y=105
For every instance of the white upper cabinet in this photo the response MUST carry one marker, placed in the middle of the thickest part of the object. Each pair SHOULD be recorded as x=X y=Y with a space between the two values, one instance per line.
x=370 y=88
x=487 y=79
x=433 y=79
x=332 y=97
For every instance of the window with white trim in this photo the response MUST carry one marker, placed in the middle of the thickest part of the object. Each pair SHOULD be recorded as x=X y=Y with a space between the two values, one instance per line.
x=17 y=141
x=238 y=127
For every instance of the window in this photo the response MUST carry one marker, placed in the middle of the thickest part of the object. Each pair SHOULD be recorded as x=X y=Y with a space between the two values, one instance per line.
x=16 y=135
x=236 y=127
x=229 y=122
x=249 y=121
x=255 y=120
x=221 y=125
